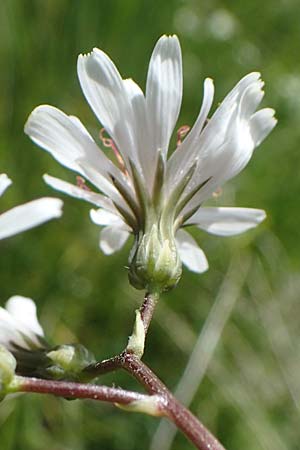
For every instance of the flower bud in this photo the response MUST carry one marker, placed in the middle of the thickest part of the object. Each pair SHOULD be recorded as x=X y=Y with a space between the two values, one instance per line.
x=7 y=368
x=69 y=361
x=155 y=263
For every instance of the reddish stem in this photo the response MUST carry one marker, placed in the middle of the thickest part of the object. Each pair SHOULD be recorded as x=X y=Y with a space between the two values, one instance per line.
x=175 y=411
x=167 y=404
x=147 y=309
x=70 y=389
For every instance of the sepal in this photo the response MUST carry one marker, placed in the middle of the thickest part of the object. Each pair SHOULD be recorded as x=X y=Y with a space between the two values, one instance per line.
x=69 y=361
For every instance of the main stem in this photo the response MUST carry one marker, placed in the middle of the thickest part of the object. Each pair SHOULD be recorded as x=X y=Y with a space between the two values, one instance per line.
x=174 y=410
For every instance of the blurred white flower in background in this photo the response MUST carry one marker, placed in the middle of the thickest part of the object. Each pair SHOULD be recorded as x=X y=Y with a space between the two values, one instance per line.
x=19 y=326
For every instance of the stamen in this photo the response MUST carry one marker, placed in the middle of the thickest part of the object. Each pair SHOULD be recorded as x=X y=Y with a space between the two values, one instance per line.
x=109 y=143
x=182 y=132
x=218 y=192
x=81 y=183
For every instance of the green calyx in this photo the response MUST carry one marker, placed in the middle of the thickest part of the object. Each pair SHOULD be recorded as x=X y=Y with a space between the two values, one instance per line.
x=69 y=362
x=7 y=371
x=155 y=264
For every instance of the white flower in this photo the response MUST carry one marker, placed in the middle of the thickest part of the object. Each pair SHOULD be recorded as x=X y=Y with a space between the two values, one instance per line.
x=29 y=215
x=146 y=188
x=22 y=335
x=19 y=326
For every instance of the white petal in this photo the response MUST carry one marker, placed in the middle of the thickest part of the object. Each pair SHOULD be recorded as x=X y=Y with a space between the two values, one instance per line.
x=112 y=238
x=226 y=143
x=29 y=215
x=164 y=91
x=190 y=253
x=9 y=332
x=251 y=98
x=103 y=88
x=143 y=142
x=105 y=186
x=261 y=124
x=186 y=154
x=4 y=182
x=227 y=221
x=66 y=139
x=23 y=310
x=104 y=218
x=80 y=193
x=231 y=99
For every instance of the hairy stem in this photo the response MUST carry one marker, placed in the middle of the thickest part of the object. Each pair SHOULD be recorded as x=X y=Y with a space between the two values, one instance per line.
x=185 y=421
x=159 y=402
x=147 y=309
x=73 y=390
x=173 y=409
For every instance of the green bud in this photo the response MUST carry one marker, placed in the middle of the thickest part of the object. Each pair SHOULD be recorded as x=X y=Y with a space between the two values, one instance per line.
x=155 y=264
x=69 y=361
x=8 y=366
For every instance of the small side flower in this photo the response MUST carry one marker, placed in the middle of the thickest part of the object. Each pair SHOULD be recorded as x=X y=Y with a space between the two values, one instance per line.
x=23 y=337
x=8 y=366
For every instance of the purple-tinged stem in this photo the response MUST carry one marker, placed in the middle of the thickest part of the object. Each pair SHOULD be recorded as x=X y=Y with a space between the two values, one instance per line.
x=165 y=403
x=70 y=389
x=147 y=309
x=185 y=421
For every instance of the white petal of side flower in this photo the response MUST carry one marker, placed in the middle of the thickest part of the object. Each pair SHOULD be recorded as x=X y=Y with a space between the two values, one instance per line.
x=5 y=182
x=227 y=221
x=164 y=91
x=29 y=215
x=190 y=253
x=23 y=310
x=19 y=324
x=112 y=238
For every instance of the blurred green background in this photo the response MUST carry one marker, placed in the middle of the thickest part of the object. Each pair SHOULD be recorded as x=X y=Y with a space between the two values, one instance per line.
x=250 y=390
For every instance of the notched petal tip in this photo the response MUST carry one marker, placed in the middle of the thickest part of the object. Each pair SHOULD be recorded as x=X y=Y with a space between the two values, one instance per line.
x=5 y=182
x=261 y=124
x=55 y=205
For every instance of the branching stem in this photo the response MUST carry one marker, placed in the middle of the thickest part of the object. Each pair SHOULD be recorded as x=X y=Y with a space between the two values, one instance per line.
x=175 y=411
x=159 y=401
